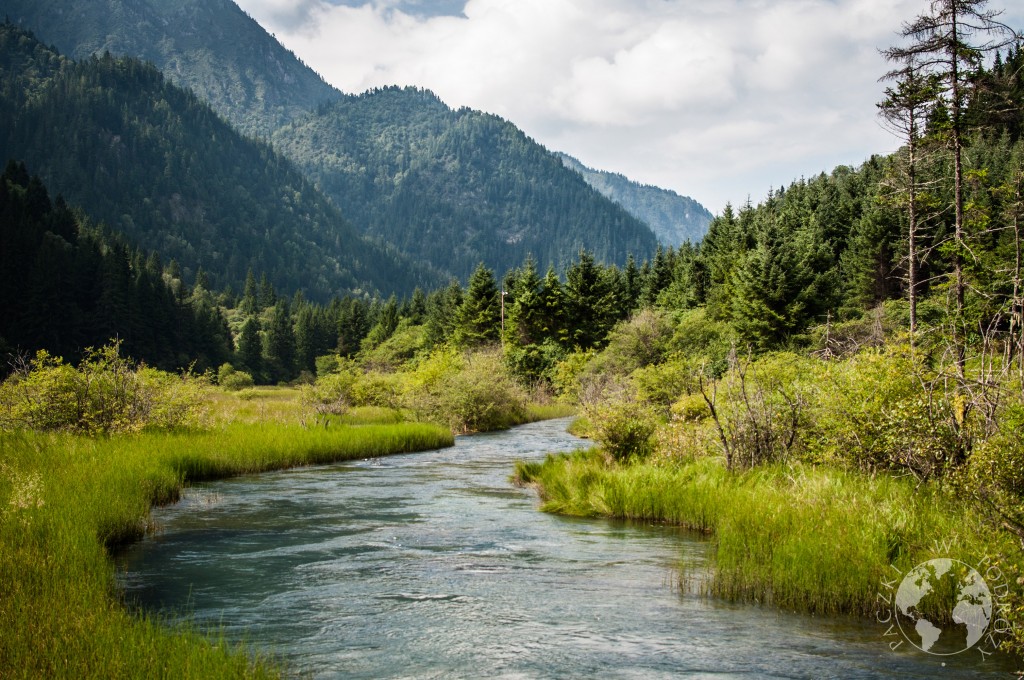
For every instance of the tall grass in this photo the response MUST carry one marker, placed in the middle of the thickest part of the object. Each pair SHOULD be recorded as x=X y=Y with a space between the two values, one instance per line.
x=65 y=499
x=803 y=538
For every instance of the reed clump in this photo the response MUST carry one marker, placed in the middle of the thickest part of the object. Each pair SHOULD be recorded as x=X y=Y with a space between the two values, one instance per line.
x=799 y=537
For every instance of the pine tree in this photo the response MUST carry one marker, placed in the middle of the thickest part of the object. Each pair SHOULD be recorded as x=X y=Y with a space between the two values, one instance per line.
x=950 y=43
x=769 y=302
x=479 y=317
x=279 y=344
x=589 y=303
x=250 y=347
x=249 y=304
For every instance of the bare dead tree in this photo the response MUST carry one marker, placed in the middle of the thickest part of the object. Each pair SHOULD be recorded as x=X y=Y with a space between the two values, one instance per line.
x=904 y=111
x=950 y=42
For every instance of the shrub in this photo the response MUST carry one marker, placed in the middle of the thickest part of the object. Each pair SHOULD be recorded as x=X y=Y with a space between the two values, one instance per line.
x=470 y=393
x=620 y=423
x=105 y=393
x=635 y=343
x=374 y=388
x=236 y=380
x=663 y=384
x=331 y=394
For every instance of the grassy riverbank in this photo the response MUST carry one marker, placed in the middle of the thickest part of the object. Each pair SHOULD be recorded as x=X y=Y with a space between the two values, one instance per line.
x=799 y=537
x=65 y=499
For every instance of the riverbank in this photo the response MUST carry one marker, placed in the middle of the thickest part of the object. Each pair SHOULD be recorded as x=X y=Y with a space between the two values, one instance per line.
x=67 y=499
x=798 y=537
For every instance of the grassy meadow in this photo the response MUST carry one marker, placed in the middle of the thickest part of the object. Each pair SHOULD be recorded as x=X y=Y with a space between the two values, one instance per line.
x=66 y=499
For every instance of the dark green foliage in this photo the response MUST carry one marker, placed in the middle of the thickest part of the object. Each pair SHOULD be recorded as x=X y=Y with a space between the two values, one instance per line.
x=590 y=305
x=442 y=309
x=478 y=320
x=279 y=344
x=160 y=167
x=65 y=286
x=455 y=188
x=674 y=219
x=353 y=325
x=250 y=347
x=209 y=46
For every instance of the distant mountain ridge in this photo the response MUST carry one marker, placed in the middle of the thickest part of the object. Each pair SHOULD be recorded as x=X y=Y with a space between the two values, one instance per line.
x=158 y=165
x=673 y=218
x=210 y=46
x=457 y=187
x=449 y=188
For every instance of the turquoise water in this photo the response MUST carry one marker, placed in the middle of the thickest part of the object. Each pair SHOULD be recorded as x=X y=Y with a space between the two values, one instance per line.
x=432 y=565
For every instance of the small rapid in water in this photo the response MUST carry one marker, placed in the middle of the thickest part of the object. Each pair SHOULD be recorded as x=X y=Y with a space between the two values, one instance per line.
x=432 y=565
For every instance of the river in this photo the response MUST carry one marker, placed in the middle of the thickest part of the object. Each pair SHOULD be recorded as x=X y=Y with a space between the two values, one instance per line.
x=431 y=565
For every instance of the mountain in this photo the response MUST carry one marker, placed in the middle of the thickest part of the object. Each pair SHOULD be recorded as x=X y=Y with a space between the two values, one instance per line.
x=455 y=188
x=158 y=165
x=210 y=46
x=452 y=188
x=674 y=219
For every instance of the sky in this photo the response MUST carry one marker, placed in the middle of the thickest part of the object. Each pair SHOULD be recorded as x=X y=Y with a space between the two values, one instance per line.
x=720 y=100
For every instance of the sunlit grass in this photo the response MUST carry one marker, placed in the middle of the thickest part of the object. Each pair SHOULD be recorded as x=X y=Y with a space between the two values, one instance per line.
x=802 y=538
x=64 y=500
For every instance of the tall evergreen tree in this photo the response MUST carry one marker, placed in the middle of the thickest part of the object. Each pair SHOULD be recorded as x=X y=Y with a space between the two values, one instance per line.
x=589 y=303
x=479 y=317
x=279 y=344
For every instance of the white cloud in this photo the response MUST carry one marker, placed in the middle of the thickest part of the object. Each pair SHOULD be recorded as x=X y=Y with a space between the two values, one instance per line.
x=718 y=100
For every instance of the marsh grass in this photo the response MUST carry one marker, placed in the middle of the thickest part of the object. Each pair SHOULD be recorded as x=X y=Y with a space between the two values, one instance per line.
x=802 y=538
x=66 y=500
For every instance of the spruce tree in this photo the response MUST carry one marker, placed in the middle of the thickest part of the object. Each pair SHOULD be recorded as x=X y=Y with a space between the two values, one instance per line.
x=479 y=317
x=250 y=348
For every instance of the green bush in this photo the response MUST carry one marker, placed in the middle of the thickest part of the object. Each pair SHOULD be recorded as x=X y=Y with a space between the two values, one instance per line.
x=469 y=393
x=106 y=393
x=331 y=394
x=621 y=424
x=374 y=388
x=233 y=380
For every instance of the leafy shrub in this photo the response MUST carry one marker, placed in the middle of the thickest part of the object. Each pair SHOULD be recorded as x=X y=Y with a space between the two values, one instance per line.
x=662 y=384
x=759 y=409
x=468 y=393
x=331 y=394
x=623 y=427
x=393 y=351
x=697 y=335
x=106 y=393
x=875 y=410
x=232 y=380
x=565 y=376
x=374 y=388
x=640 y=341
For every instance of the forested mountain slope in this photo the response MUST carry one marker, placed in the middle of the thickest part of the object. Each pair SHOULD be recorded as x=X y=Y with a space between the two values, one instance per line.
x=210 y=46
x=455 y=188
x=158 y=165
x=673 y=218
x=450 y=188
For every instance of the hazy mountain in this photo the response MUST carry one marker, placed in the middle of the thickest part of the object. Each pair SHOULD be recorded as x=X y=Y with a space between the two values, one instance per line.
x=210 y=46
x=674 y=219
x=158 y=165
x=450 y=188
x=455 y=187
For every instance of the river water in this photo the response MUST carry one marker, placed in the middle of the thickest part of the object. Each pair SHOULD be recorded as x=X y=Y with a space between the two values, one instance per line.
x=431 y=565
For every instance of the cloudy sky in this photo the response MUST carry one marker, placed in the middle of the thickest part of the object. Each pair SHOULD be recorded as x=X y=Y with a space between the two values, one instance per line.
x=715 y=99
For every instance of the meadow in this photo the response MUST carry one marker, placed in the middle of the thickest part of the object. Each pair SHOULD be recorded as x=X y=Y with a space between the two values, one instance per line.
x=67 y=500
